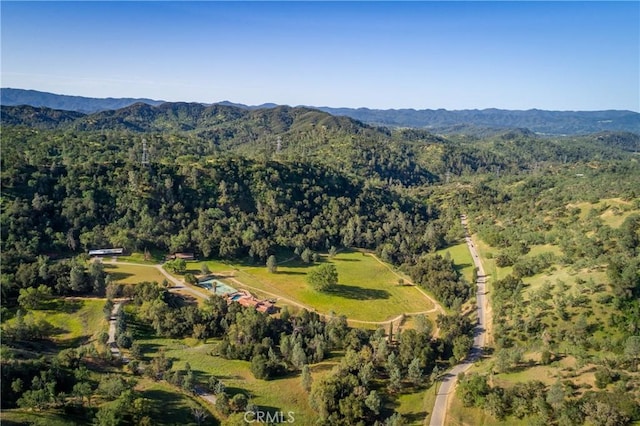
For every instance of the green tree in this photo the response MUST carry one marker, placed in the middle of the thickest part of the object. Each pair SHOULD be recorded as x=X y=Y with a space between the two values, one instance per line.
x=324 y=277
x=272 y=264
x=17 y=386
x=556 y=393
x=298 y=357
x=135 y=350
x=108 y=415
x=415 y=372
x=306 y=378
x=34 y=297
x=373 y=402
x=204 y=269
x=632 y=350
x=306 y=255
x=222 y=403
x=461 y=346
x=239 y=402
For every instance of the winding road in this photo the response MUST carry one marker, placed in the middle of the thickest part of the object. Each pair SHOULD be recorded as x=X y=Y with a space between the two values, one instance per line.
x=439 y=412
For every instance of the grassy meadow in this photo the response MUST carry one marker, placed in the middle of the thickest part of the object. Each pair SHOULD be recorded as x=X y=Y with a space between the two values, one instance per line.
x=284 y=394
x=132 y=274
x=461 y=257
x=74 y=321
x=367 y=290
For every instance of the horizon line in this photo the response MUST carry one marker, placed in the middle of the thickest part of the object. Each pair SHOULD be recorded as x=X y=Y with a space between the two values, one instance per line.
x=275 y=104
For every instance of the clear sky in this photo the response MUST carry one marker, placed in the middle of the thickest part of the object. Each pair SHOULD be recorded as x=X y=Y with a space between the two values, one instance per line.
x=453 y=55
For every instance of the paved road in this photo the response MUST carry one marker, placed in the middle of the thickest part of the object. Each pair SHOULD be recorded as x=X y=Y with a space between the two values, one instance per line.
x=113 y=346
x=439 y=412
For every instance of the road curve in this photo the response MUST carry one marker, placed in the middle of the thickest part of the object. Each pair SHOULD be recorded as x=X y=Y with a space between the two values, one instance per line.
x=439 y=412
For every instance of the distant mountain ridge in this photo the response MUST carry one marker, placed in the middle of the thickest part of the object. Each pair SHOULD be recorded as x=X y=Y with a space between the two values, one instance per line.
x=437 y=121
x=14 y=97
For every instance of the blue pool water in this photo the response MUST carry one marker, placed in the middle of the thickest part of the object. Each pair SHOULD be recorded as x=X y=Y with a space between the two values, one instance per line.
x=236 y=296
x=220 y=287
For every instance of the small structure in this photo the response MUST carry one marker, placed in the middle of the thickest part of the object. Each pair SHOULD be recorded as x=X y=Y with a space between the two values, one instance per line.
x=183 y=256
x=107 y=252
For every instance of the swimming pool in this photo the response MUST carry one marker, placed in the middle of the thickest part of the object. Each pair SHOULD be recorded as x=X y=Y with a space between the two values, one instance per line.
x=220 y=287
x=236 y=296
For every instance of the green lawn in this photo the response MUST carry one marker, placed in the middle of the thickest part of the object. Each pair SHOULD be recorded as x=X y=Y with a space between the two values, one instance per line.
x=415 y=406
x=367 y=289
x=75 y=321
x=284 y=394
x=132 y=274
x=170 y=406
x=156 y=256
x=27 y=417
x=461 y=257
x=214 y=266
x=459 y=415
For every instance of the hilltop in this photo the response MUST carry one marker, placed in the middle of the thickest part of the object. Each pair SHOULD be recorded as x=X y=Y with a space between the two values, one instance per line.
x=440 y=120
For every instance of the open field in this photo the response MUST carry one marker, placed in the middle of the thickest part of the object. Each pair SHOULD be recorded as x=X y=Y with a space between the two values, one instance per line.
x=154 y=257
x=170 y=406
x=284 y=394
x=612 y=211
x=461 y=257
x=28 y=417
x=132 y=274
x=459 y=415
x=75 y=321
x=416 y=406
x=362 y=278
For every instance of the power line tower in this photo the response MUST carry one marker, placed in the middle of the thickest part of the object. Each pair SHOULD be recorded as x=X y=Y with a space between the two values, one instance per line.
x=145 y=153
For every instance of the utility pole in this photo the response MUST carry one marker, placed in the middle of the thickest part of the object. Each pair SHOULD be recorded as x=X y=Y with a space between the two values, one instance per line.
x=145 y=153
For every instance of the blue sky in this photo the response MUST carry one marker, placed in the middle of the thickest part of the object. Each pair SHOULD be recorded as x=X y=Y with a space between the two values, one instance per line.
x=453 y=55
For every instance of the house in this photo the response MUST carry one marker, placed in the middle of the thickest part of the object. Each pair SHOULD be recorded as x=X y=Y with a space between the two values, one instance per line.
x=247 y=300
x=107 y=252
x=184 y=256
x=266 y=307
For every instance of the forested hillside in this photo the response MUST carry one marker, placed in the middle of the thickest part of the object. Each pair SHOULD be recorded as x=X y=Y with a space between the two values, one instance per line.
x=555 y=220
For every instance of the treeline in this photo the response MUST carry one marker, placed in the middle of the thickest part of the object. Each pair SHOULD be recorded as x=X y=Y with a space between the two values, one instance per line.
x=32 y=284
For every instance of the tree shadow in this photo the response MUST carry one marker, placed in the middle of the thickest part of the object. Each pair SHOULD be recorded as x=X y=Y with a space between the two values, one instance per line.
x=117 y=276
x=72 y=342
x=289 y=273
x=358 y=293
x=63 y=305
x=460 y=266
x=348 y=260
